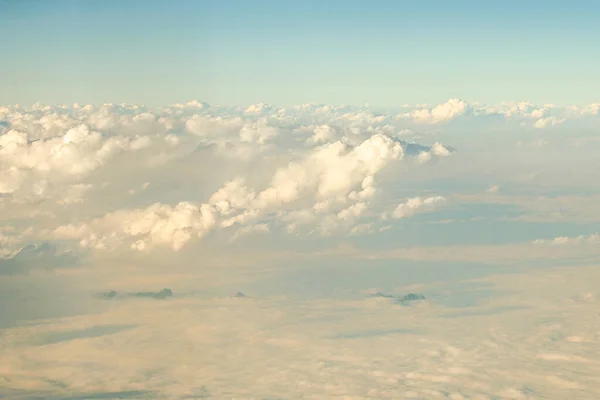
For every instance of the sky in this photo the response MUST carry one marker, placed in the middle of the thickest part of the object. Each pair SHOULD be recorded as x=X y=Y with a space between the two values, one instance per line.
x=277 y=200
x=242 y=52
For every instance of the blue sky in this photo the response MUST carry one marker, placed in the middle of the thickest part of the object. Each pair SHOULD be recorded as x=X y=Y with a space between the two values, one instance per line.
x=346 y=52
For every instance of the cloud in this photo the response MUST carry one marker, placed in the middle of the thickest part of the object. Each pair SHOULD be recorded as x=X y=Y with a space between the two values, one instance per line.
x=564 y=240
x=548 y=121
x=312 y=169
x=35 y=257
x=437 y=150
x=158 y=224
x=68 y=155
x=330 y=186
x=286 y=204
x=453 y=108
x=524 y=112
x=416 y=205
x=321 y=134
x=592 y=109
x=33 y=166
x=325 y=346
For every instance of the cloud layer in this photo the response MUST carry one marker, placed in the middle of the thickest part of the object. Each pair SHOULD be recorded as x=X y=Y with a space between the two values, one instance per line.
x=307 y=169
x=488 y=211
x=535 y=336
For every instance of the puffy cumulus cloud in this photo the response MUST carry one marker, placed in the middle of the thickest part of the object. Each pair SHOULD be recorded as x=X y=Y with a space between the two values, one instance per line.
x=337 y=179
x=158 y=224
x=519 y=110
x=77 y=152
x=436 y=151
x=524 y=112
x=258 y=133
x=311 y=168
x=453 y=108
x=213 y=126
x=508 y=109
x=194 y=104
x=332 y=171
x=321 y=134
x=415 y=205
x=328 y=189
x=592 y=109
x=259 y=108
x=34 y=166
x=297 y=164
x=233 y=136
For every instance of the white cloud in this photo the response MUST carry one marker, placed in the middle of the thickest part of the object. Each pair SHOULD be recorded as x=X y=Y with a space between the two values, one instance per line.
x=589 y=110
x=197 y=198
x=242 y=166
x=210 y=126
x=34 y=164
x=543 y=116
x=444 y=112
x=416 y=205
x=158 y=224
x=257 y=108
x=564 y=240
x=548 y=122
x=437 y=150
x=321 y=134
x=337 y=179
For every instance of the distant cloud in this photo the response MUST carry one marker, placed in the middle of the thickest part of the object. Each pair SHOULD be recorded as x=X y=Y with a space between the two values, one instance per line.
x=548 y=122
x=564 y=240
x=416 y=205
x=36 y=257
x=444 y=112
x=191 y=169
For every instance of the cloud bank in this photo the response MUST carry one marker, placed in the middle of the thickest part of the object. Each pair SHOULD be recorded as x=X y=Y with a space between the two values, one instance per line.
x=453 y=217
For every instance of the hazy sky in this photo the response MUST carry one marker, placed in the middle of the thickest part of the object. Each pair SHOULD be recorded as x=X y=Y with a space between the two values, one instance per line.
x=288 y=52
